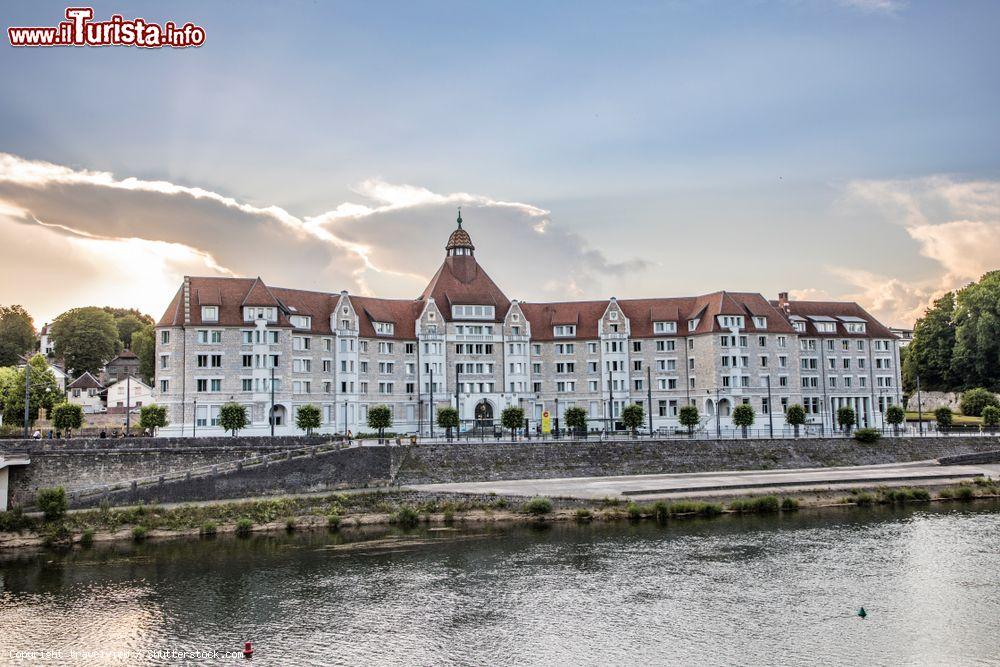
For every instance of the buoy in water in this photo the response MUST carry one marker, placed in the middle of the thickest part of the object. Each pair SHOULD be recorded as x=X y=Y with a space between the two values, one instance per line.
x=862 y=613
x=247 y=649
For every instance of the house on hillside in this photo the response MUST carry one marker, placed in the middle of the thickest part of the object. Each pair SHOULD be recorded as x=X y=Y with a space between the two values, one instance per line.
x=45 y=343
x=86 y=391
x=124 y=365
x=129 y=392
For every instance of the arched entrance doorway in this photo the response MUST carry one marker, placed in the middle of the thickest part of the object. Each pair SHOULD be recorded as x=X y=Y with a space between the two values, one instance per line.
x=484 y=415
x=278 y=413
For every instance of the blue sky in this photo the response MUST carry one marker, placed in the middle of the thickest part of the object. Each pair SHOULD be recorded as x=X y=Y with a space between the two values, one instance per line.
x=827 y=147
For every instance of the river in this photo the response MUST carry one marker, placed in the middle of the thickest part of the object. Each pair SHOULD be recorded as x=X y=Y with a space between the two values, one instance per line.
x=732 y=590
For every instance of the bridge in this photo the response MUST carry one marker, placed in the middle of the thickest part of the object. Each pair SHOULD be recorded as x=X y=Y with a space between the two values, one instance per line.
x=6 y=461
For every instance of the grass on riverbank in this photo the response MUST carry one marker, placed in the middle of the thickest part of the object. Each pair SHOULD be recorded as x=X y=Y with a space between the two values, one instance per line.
x=407 y=509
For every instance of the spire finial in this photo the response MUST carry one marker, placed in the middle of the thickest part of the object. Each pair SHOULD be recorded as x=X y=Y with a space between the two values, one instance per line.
x=459 y=217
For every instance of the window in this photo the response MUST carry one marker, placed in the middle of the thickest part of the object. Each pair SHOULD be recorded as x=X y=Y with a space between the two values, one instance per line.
x=799 y=326
x=564 y=348
x=384 y=328
x=760 y=323
x=637 y=346
x=247 y=384
x=409 y=348
x=855 y=327
x=473 y=312
x=564 y=330
x=164 y=386
x=693 y=324
x=826 y=327
x=762 y=341
x=209 y=313
x=301 y=343
x=664 y=327
x=782 y=341
x=164 y=337
x=164 y=361
x=301 y=321
x=251 y=313
x=731 y=321
x=384 y=347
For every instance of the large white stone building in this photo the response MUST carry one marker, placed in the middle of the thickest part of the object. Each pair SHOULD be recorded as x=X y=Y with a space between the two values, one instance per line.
x=463 y=341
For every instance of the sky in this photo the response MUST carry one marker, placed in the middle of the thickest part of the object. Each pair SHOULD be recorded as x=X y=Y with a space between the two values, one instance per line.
x=835 y=149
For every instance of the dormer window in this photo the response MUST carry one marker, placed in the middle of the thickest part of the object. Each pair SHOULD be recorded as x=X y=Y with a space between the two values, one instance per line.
x=253 y=313
x=693 y=324
x=301 y=321
x=564 y=330
x=664 y=327
x=209 y=313
x=731 y=321
x=384 y=328
x=855 y=327
x=826 y=327
x=799 y=326
x=473 y=312
x=760 y=322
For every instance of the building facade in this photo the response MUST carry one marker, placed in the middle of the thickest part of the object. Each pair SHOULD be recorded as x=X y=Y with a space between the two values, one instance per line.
x=464 y=343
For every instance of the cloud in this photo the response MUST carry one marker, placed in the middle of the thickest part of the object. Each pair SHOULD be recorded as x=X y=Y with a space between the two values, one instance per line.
x=955 y=223
x=87 y=237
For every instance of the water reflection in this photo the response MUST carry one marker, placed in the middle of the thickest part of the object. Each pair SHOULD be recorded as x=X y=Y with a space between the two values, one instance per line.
x=732 y=590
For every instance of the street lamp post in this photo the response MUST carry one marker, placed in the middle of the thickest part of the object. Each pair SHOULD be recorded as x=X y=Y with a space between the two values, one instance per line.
x=194 y=420
x=770 y=409
x=27 y=396
x=430 y=408
x=128 y=404
x=272 y=403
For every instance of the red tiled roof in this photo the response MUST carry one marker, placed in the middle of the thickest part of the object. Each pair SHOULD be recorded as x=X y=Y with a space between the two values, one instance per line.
x=403 y=313
x=543 y=316
x=259 y=295
x=836 y=309
x=461 y=281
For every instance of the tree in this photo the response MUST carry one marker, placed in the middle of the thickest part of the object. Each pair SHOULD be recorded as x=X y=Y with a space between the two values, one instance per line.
x=232 y=417
x=144 y=347
x=512 y=418
x=991 y=416
x=795 y=416
x=447 y=418
x=43 y=393
x=689 y=417
x=17 y=334
x=974 y=401
x=128 y=325
x=743 y=416
x=307 y=418
x=929 y=354
x=52 y=502
x=943 y=416
x=380 y=418
x=67 y=417
x=895 y=415
x=846 y=418
x=632 y=417
x=87 y=338
x=576 y=420
x=152 y=417
x=976 y=357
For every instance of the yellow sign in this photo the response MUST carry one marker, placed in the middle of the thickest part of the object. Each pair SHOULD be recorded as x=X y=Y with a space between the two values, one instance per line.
x=546 y=422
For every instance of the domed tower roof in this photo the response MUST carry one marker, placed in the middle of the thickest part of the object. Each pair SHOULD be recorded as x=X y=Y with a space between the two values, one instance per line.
x=459 y=243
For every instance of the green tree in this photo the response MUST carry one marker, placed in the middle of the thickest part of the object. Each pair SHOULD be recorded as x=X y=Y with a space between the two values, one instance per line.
x=380 y=418
x=447 y=418
x=929 y=354
x=307 y=418
x=67 y=417
x=43 y=393
x=87 y=338
x=512 y=418
x=991 y=416
x=576 y=420
x=974 y=401
x=846 y=418
x=743 y=416
x=17 y=334
x=52 y=502
x=943 y=416
x=895 y=415
x=127 y=326
x=152 y=417
x=232 y=417
x=632 y=417
x=976 y=359
x=144 y=347
x=795 y=416
x=689 y=417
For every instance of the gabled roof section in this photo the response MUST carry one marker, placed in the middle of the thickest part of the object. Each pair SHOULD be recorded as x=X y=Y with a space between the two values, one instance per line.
x=260 y=295
x=461 y=281
x=840 y=312
x=85 y=381
x=402 y=313
x=172 y=316
x=544 y=316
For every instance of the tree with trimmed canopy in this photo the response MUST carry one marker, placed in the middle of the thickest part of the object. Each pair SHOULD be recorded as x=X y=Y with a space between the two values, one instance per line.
x=795 y=416
x=512 y=418
x=307 y=418
x=743 y=416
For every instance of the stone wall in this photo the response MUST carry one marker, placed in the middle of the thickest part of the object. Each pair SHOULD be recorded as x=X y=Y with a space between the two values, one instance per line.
x=433 y=463
x=82 y=463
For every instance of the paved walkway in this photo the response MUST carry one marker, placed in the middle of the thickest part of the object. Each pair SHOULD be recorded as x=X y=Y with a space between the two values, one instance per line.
x=647 y=487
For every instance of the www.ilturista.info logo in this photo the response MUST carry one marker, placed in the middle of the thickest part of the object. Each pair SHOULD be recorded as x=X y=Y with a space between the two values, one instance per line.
x=80 y=30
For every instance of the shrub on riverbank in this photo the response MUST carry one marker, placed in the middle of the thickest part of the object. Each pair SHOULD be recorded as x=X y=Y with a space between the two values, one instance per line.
x=867 y=435
x=538 y=506
x=406 y=517
x=139 y=533
x=52 y=503
x=208 y=529
x=760 y=505
x=584 y=516
x=87 y=537
x=14 y=521
x=244 y=527
x=333 y=521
